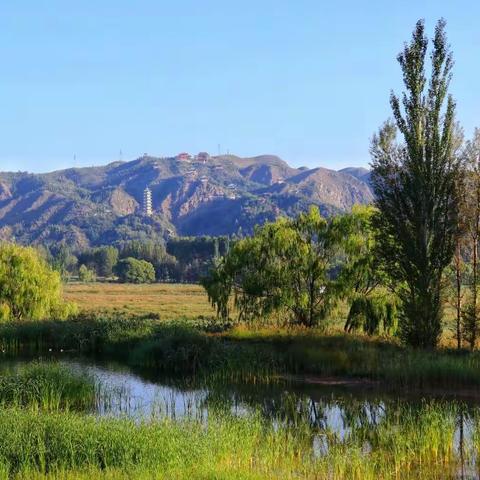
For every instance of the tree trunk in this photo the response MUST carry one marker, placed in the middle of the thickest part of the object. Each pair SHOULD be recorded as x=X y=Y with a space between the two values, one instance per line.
x=458 y=280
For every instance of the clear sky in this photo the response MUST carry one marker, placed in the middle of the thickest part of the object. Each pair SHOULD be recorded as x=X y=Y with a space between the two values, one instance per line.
x=306 y=80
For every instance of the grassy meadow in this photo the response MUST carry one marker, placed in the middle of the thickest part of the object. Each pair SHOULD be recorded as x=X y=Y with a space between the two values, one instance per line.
x=168 y=301
x=408 y=445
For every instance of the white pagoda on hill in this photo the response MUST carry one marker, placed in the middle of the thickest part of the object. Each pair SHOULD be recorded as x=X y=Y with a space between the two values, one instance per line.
x=147 y=202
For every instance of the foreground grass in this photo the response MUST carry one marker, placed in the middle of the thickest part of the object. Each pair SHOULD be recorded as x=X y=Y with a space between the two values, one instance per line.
x=168 y=301
x=407 y=444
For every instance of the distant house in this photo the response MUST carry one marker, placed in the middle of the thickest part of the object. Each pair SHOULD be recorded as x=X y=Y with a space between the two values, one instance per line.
x=203 y=157
x=184 y=156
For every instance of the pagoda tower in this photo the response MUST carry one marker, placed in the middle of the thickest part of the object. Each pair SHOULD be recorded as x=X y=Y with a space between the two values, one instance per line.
x=147 y=202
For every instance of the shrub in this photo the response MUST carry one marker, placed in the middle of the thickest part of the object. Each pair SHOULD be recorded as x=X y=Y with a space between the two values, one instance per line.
x=131 y=270
x=85 y=274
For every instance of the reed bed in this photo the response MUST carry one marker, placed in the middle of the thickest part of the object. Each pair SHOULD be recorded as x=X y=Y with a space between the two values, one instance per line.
x=47 y=387
x=186 y=348
x=409 y=444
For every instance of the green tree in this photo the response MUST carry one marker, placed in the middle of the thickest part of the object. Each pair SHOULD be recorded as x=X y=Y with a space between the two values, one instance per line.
x=63 y=260
x=131 y=270
x=471 y=237
x=86 y=275
x=415 y=185
x=105 y=259
x=283 y=267
x=153 y=252
x=29 y=288
x=362 y=277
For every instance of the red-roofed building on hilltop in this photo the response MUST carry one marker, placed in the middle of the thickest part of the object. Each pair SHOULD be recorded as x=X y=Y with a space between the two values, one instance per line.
x=183 y=156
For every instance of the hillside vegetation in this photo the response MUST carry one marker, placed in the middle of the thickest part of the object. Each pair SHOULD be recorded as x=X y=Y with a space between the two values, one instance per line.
x=224 y=195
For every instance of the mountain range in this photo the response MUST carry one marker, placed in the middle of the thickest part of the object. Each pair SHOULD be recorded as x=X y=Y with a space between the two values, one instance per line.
x=191 y=196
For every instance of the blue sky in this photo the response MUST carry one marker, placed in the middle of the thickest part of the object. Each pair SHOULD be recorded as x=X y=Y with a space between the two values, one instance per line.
x=306 y=80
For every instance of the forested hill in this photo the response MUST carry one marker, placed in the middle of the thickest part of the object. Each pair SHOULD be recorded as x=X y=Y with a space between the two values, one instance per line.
x=190 y=196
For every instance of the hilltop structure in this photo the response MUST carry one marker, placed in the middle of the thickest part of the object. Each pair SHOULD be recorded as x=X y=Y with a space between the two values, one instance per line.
x=203 y=157
x=147 y=202
x=183 y=157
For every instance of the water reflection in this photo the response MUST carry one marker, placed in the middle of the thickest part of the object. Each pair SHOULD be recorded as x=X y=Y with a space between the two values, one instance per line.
x=328 y=414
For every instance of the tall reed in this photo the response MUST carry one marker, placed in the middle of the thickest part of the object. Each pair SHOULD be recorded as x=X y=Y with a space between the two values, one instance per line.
x=47 y=386
x=409 y=444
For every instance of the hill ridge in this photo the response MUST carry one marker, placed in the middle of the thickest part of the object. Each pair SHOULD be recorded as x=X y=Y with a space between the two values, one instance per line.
x=216 y=195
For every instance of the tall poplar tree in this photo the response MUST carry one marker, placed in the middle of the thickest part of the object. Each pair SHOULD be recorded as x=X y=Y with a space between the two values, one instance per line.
x=414 y=179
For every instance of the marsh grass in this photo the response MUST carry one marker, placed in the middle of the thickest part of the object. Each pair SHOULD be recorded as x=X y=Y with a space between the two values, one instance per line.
x=316 y=353
x=411 y=443
x=85 y=333
x=47 y=387
x=188 y=348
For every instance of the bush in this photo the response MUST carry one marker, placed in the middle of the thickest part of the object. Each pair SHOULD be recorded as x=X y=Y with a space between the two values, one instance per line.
x=29 y=288
x=131 y=270
x=85 y=274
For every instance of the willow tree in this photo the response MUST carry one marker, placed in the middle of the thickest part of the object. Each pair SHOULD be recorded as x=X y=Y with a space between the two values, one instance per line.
x=414 y=179
x=29 y=288
x=362 y=278
x=284 y=267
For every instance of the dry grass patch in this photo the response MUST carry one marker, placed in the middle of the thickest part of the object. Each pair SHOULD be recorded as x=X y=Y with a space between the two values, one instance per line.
x=170 y=301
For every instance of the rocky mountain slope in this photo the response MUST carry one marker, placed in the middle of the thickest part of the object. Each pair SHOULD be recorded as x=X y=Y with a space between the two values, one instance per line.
x=190 y=196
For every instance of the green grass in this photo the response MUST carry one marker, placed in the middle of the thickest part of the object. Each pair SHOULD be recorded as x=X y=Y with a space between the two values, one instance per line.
x=316 y=353
x=46 y=387
x=186 y=348
x=406 y=444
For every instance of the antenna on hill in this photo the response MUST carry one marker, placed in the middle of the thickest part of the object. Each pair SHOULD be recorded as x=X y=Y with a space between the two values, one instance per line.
x=218 y=149
x=120 y=155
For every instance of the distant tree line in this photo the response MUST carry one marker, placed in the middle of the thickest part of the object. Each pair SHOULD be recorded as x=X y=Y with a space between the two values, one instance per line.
x=182 y=259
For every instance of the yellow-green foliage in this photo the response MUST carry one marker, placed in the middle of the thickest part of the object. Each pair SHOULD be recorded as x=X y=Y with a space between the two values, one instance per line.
x=406 y=445
x=29 y=288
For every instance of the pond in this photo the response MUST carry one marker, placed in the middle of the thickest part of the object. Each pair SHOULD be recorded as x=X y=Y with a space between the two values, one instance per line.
x=329 y=411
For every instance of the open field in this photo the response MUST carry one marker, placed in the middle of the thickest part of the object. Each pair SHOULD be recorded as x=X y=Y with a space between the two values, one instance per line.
x=176 y=301
x=169 y=301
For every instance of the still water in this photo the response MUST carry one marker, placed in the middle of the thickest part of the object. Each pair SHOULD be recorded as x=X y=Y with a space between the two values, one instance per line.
x=332 y=410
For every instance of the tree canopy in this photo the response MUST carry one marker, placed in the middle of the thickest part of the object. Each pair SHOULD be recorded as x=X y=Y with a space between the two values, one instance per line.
x=29 y=288
x=415 y=183
x=299 y=267
x=131 y=270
